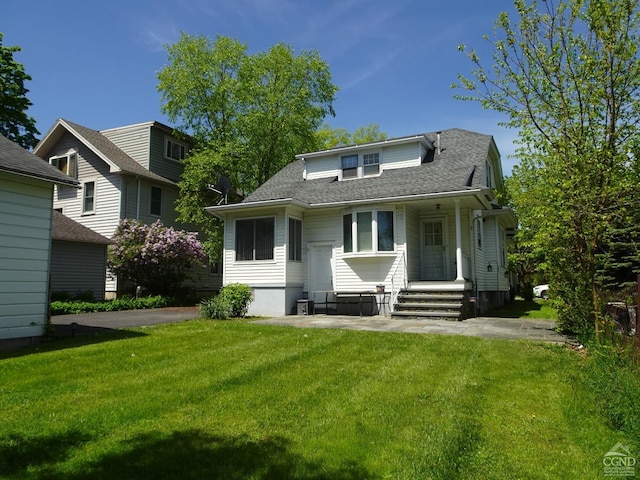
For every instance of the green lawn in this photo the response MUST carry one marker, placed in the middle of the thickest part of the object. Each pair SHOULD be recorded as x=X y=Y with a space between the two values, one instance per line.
x=233 y=400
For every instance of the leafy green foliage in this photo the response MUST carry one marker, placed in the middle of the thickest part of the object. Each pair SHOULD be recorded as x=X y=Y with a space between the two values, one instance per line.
x=156 y=257
x=65 y=307
x=567 y=75
x=232 y=302
x=248 y=114
x=15 y=123
x=328 y=137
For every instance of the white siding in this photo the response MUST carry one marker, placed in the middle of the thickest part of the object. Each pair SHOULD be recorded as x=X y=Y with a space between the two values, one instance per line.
x=78 y=268
x=255 y=273
x=323 y=167
x=394 y=156
x=401 y=156
x=25 y=237
x=107 y=193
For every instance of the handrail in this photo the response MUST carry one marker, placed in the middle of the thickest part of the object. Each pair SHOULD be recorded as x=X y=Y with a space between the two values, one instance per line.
x=398 y=282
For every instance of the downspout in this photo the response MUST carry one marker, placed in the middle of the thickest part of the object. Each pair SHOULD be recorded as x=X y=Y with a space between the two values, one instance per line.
x=138 y=200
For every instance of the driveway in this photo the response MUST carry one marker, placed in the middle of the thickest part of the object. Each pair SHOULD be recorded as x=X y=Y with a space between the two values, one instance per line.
x=485 y=327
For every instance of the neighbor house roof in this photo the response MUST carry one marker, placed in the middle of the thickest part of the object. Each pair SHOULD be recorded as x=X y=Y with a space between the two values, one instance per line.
x=65 y=229
x=17 y=160
x=118 y=160
x=457 y=169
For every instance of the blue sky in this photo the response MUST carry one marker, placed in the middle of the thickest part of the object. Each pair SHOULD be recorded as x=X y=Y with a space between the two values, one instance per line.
x=95 y=63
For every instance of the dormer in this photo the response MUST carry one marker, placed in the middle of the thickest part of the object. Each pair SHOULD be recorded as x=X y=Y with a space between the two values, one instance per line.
x=367 y=160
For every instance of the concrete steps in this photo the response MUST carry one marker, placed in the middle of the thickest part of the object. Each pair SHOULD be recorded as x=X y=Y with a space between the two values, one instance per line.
x=436 y=305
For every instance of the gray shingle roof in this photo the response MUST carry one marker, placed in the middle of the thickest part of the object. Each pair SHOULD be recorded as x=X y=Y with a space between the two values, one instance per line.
x=462 y=152
x=17 y=160
x=120 y=159
x=65 y=229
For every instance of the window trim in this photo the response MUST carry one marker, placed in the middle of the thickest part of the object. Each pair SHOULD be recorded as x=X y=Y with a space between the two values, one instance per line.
x=235 y=236
x=353 y=239
x=151 y=201
x=296 y=242
x=168 y=149
x=360 y=170
x=84 y=196
x=70 y=164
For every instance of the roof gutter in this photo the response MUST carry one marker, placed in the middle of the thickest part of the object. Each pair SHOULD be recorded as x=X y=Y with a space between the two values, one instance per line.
x=72 y=183
x=221 y=210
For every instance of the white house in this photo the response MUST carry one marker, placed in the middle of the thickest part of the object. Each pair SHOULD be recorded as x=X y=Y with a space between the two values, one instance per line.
x=408 y=225
x=26 y=188
x=126 y=172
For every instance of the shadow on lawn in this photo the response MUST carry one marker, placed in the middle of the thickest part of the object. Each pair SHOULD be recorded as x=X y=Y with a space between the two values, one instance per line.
x=518 y=308
x=192 y=454
x=68 y=336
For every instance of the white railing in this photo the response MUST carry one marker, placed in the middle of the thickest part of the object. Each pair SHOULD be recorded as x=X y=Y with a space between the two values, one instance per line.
x=398 y=280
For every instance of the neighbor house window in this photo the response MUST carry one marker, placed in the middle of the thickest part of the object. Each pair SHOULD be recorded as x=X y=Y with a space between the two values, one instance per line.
x=255 y=239
x=372 y=231
x=371 y=163
x=175 y=150
x=295 y=240
x=349 y=165
x=65 y=163
x=156 y=201
x=88 y=197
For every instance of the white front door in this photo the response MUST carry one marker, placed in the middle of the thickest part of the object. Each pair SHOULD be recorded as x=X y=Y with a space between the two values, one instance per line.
x=433 y=249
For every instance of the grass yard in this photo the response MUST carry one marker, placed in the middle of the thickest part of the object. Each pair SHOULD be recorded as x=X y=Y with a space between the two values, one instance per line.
x=233 y=400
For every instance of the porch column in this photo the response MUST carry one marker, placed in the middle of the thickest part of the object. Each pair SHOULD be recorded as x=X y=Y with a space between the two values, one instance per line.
x=459 y=274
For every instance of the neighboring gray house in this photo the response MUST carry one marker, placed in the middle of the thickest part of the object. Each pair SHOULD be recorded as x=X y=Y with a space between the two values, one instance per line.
x=409 y=225
x=78 y=258
x=26 y=188
x=126 y=172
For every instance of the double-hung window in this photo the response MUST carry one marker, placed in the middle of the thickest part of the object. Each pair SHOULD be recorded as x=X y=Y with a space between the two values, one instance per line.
x=255 y=239
x=175 y=150
x=371 y=163
x=295 y=240
x=349 y=165
x=65 y=163
x=88 y=197
x=368 y=231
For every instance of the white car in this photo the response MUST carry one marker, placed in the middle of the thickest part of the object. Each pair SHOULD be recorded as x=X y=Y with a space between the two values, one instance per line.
x=541 y=291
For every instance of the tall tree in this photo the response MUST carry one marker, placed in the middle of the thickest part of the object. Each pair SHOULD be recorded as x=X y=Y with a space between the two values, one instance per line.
x=249 y=115
x=328 y=137
x=567 y=75
x=15 y=123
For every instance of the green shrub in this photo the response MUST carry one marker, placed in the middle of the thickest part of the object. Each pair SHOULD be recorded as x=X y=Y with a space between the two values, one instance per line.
x=78 y=306
x=232 y=302
x=215 y=307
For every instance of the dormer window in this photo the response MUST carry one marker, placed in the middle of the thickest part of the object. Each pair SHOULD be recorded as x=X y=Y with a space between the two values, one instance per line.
x=371 y=163
x=349 y=166
x=360 y=165
x=65 y=163
x=175 y=150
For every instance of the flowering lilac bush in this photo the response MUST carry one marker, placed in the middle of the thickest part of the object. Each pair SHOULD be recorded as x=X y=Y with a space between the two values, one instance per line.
x=156 y=257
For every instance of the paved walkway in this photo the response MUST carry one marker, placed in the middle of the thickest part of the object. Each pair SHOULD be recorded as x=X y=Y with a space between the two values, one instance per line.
x=486 y=327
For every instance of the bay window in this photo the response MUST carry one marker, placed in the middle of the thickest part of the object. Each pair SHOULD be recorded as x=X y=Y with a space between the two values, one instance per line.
x=372 y=230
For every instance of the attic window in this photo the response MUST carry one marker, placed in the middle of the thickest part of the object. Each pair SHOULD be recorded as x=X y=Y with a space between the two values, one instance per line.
x=65 y=163
x=371 y=163
x=175 y=150
x=349 y=164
